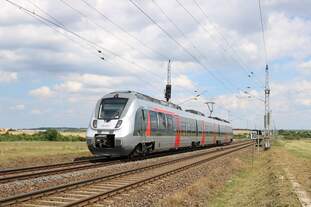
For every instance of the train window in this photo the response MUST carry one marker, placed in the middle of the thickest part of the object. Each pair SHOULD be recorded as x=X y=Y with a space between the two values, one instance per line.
x=219 y=131
x=196 y=128
x=183 y=127
x=153 y=121
x=193 y=128
x=169 y=124
x=139 y=123
x=169 y=121
x=111 y=108
x=175 y=125
x=162 y=121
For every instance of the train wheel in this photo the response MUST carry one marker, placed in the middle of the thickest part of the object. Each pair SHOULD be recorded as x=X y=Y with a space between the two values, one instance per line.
x=136 y=153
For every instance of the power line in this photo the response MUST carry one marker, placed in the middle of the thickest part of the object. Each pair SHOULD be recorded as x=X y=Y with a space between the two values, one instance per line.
x=225 y=40
x=123 y=30
x=241 y=62
x=179 y=44
x=79 y=12
x=185 y=36
x=90 y=43
x=43 y=19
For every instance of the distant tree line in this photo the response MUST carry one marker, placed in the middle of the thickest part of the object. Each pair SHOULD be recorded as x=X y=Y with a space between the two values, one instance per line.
x=48 y=135
x=295 y=134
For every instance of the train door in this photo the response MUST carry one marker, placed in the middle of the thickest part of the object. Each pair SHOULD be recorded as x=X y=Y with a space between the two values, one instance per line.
x=203 y=137
x=177 y=132
x=140 y=126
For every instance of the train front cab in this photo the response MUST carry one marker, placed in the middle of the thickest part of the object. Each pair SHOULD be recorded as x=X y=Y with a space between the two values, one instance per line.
x=110 y=128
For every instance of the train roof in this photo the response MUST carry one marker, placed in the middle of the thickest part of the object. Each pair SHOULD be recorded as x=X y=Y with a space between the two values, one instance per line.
x=168 y=104
x=150 y=99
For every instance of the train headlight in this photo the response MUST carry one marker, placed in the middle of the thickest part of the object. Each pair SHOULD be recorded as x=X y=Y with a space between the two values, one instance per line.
x=94 y=123
x=118 y=124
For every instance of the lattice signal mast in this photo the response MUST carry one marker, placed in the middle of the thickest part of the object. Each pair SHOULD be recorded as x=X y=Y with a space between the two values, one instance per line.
x=267 y=116
x=168 y=88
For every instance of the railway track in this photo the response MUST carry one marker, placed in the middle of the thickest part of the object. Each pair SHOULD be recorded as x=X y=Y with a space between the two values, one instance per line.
x=9 y=175
x=44 y=170
x=92 y=190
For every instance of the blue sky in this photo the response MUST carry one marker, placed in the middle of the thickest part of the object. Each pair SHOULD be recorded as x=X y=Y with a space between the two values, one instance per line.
x=49 y=77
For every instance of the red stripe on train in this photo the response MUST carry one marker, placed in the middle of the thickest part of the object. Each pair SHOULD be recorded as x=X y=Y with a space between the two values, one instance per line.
x=148 y=128
x=177 y=136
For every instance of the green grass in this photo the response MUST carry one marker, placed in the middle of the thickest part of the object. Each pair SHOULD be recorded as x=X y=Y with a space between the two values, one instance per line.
x=300 y=148
x=263 y=185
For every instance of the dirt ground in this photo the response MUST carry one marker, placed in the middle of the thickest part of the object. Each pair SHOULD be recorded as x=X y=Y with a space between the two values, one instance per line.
x=22 y=154
x=262 y=181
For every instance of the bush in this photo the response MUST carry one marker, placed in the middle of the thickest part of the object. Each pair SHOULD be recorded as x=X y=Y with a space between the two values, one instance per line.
x=51 y=135
x=48 y=135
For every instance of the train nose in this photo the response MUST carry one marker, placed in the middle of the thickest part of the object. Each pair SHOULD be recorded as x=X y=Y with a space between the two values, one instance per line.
x=107 y=125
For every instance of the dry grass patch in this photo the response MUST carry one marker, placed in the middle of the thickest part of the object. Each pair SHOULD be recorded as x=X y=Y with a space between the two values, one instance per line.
x=263 y=185
x=295 y=156
x=200 y=192
x=240 y=184
x=21 y=154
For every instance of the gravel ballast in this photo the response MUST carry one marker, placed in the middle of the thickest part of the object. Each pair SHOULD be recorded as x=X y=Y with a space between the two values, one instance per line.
x=25 y=186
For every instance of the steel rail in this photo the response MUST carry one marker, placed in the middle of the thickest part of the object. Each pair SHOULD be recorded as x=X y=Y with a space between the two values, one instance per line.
x=74 y=185
x=43 y=167
x=44 y=170
x=58 y=170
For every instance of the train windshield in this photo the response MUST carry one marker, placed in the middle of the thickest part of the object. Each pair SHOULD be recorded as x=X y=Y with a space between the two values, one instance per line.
x=111 y=108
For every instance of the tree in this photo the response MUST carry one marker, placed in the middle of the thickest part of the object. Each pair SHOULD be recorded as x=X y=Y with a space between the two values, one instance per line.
x=51 y=134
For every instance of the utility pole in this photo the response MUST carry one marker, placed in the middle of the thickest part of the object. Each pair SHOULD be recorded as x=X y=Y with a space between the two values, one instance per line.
x=168 y=88
x=267 y=115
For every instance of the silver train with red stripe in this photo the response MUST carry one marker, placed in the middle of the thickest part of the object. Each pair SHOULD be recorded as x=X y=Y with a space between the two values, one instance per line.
x=128 y=123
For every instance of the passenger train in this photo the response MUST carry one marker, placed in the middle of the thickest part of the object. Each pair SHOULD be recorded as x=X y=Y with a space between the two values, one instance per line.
x=129 y=123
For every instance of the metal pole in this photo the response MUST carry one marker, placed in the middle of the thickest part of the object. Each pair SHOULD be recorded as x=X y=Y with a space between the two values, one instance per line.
x=267 y=111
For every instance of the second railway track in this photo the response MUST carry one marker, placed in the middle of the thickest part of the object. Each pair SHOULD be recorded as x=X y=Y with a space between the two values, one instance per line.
x=90 y=191
x=38 y=171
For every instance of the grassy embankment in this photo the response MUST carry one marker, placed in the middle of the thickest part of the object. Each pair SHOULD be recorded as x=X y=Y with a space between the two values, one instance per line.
x=264 y=184
x=51 y=146
x=21 y=154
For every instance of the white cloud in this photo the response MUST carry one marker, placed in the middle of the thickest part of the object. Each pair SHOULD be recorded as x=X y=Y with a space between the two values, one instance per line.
x=92 y=83
x=288 y=37
x=36 y=111
x=306 y=66
x=69 y=86
x=42 y=92
x=18 y=107
x=183 y=81
x=7 y=77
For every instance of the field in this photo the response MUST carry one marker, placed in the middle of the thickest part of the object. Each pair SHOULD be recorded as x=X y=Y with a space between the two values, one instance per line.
x=65 y=133
x=265 y=181
x=21 y=154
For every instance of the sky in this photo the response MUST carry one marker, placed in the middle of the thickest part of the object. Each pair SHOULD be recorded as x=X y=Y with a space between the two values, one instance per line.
x=57 y=58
